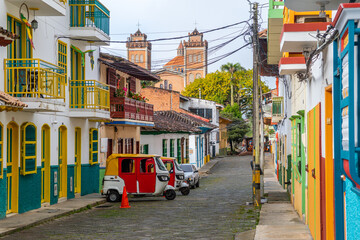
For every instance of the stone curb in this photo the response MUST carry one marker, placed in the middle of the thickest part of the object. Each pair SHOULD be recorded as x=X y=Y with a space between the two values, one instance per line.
x=206 y=169
x=48 y=219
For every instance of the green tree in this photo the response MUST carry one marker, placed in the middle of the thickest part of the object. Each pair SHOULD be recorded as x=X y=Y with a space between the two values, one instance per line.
x=238 y=128
x=217 y=87
x=232 y=68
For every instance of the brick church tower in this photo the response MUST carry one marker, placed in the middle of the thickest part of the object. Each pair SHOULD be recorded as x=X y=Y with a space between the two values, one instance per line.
x=139 y=49
x=195 y=56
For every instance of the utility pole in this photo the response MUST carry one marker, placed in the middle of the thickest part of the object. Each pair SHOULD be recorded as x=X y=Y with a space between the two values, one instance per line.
x=256 y=132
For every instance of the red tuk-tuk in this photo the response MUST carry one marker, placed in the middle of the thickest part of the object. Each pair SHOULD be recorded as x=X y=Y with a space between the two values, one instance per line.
x=142 y=175
x=177 y=178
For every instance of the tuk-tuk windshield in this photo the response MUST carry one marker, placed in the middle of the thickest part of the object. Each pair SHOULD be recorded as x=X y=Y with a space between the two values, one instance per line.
x=177 y=166
x=160 y=164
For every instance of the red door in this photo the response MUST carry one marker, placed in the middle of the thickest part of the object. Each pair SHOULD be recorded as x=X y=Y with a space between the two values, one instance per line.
x=146 y=175
x=170 y=167
x=128 y=174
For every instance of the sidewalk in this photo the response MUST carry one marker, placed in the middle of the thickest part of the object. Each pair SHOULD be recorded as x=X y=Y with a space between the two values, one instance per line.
x=205 y=169
x=20 y=221
x=278 y=219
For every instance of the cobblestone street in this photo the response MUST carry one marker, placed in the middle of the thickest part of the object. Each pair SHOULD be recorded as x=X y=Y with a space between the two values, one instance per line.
x=216 y=210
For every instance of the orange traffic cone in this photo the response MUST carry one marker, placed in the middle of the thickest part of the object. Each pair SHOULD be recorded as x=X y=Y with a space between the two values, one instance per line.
x=124 y=199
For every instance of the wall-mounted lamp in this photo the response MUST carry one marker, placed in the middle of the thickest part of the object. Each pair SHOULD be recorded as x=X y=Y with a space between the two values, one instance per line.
x=34 y=23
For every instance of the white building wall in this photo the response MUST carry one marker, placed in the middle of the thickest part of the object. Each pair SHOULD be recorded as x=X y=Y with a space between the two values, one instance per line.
x=45 y=40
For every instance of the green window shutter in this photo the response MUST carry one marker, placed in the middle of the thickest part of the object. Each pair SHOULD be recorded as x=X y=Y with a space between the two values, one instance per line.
x=172 y=154
x=93 y=146
x=28 y=149
x=164 y=147
x=1 y=152
x=179 y=150
x=146 y=149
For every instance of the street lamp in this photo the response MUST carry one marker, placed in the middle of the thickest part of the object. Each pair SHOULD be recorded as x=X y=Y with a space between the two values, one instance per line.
x=34 y=23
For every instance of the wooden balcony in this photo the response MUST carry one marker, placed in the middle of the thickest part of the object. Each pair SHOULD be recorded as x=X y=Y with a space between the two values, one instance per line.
x=127 y=108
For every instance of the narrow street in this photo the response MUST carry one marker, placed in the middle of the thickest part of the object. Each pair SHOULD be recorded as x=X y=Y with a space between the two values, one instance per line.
x=216 y=210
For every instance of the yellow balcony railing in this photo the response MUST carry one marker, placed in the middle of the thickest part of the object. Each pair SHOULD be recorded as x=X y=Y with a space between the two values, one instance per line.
x=89 y=94
x=35 y=78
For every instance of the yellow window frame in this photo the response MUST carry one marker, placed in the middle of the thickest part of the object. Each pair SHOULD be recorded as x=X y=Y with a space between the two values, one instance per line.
x=24 y=45
x=62 y=57
x=1 y=151
x=91 y=146
x=77 y=69
x=23 y=154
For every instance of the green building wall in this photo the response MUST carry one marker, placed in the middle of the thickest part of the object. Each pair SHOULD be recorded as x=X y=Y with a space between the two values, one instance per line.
x=30 y=191
x=89 y=179
x=70 y=175
x=3 y=195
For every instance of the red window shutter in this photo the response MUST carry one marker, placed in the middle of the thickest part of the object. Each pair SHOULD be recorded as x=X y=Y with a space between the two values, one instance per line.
x=132 y=84
x=120 y=145
x=111 y=80
x=137 y=147
x=109 y=149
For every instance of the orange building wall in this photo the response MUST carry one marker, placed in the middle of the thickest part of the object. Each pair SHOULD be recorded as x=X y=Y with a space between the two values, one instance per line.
x=162 y=99
x=177 y=81
x=138 y=52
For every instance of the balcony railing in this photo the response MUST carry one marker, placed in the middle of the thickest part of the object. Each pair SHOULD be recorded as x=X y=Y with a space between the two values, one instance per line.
x=35 y=78
x=89 y=94
x=89 y=13
x=123 y=107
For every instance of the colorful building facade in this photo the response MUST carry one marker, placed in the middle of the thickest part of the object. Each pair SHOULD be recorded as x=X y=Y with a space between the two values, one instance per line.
x=49 y=150
x=320 y=96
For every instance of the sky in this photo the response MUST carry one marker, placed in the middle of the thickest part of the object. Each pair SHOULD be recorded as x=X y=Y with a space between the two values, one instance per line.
x=169 y=18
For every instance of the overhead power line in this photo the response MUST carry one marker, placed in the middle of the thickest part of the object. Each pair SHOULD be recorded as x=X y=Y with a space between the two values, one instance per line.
x=158 y=39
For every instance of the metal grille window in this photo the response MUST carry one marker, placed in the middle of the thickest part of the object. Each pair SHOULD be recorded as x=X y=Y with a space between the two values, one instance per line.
x=164 y=147
x=93 y=146
x=28 y=149
x=172 y=143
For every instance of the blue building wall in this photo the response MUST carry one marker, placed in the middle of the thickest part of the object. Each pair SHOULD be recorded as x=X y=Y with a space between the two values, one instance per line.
x=30 y=191
x=3 y=195
x=89 y=179
x=352 y=209
x=53 y=198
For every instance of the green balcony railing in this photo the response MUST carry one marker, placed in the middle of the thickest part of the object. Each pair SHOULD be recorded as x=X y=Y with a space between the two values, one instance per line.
x=34 y=78
x=89 y=13
x=89 y=94
x=276 y=8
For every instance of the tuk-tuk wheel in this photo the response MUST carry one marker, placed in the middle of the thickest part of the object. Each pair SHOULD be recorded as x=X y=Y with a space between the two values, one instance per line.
x=185 y=191
x=170 y=194
x=113 y=196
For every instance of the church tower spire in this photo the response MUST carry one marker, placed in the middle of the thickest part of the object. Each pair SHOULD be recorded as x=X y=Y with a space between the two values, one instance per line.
x=139 y=49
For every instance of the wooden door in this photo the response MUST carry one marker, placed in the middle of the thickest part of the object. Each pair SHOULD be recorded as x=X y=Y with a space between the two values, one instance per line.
x=12 y=160
x=314 y=174
x=62 y=160
x=77 y=170
x=45 y=164
x=109 y=148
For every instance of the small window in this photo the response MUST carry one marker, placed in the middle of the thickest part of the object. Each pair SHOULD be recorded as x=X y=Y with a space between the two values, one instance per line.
x=164 y=147
x=127 y=166
x=190 y=58
x=136 y=58
x=145 y=149
x=199 y=58
x=147 y=165
x=133 y=58
x=198 y=75
x=169 y=166
x=166 y=84
x=28 y=149
x=161 y=86
x=170 y=86
x=172 y=143
x=191 y=77
x=141 y=58
x=93 y=146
